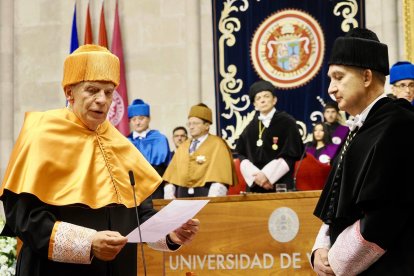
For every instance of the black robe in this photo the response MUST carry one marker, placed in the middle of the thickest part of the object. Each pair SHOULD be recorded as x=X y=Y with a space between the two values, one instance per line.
x=375 y=186
x=32 y=221
x=289 y=145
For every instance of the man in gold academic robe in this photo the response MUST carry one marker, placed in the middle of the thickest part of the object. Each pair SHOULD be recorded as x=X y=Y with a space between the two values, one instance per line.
x=67 y=193
x=203 y=165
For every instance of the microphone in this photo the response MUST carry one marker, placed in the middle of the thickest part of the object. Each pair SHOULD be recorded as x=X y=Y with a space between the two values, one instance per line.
x=300 y=163
x=132 y=181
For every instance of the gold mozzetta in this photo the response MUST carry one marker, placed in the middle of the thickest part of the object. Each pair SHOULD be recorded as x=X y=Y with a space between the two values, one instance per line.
x=60 y=161
x=211 y=162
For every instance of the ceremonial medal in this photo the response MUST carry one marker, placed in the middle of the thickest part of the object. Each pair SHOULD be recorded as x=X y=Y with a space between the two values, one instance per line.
x=275 y=140
x=259 y=143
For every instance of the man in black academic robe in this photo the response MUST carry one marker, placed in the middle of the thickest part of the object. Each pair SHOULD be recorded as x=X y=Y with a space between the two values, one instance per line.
x=270 y=144
x=366 y=205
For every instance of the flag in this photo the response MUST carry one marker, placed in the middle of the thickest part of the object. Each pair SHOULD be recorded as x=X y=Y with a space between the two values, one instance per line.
x=88 y=28
x=103 y=40
x=118 y=113
x=74 y=41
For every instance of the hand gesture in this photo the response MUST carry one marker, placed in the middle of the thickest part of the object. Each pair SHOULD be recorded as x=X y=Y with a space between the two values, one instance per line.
x=107 y=244
x=186 y=232
x=261 y=180
x=321 y=264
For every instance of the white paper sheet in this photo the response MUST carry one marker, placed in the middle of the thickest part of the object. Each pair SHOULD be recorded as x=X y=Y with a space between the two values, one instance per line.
x=169 y=218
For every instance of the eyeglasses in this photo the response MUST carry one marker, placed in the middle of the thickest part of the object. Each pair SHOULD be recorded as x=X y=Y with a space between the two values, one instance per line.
x=180 y=136
x=403 y=86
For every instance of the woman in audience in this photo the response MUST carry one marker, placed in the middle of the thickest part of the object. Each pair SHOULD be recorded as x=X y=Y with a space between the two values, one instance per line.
x=321 y=146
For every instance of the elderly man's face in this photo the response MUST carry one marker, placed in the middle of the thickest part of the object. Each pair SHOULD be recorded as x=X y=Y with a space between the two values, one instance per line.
x=139 y=123
x=347 y=86
x=90 y=101
x=197 y=127
x=264 y=101
x=404 y=89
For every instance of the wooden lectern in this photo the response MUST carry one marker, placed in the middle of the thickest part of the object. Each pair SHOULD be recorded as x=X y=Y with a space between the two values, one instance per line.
x=253 y=234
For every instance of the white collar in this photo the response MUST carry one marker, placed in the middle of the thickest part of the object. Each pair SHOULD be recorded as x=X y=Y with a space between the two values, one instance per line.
x=201 y=139
x=268 y=115
x=140 y=135
x=359 y=119
x=267 y=118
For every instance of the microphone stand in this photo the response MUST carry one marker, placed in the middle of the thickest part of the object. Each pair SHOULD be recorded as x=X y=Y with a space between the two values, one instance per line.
x=132 y=181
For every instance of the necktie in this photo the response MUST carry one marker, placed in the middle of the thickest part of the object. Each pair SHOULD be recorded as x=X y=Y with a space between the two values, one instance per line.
x=193 y=145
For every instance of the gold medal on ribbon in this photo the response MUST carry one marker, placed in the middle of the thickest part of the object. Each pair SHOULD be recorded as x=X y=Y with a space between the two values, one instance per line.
x=259 y=143
x=275 y=140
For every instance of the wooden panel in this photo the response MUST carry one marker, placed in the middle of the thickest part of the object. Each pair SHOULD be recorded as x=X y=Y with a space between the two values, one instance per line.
x=235 y=239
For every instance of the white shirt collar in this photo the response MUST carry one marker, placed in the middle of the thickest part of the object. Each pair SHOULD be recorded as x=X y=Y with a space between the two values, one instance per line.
x=359 y=119
x=267 y=118
x=140 y=135
x=200 y=140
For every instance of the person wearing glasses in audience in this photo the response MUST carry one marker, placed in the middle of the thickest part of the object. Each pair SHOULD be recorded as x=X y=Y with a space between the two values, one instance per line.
x=180 y=135
x=202 y=165
x=402 y=80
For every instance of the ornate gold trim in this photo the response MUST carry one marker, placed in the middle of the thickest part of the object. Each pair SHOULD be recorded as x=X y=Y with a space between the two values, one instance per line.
x=408 y=13
x=230 y=85
x=349 y=10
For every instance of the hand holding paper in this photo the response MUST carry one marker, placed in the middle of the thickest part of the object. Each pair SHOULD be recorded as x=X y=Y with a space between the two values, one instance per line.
x=175 y=216
x=186 y=232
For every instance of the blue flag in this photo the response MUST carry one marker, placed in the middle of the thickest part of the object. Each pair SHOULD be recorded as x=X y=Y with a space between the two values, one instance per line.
x=74 y=42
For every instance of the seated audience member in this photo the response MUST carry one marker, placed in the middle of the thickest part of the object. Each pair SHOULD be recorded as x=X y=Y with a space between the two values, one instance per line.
x=151 y=143
x=270 y=144
x=337 y=131
x=321 y=146
x=402 y=80
x=180 y=135
x=203 y=165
